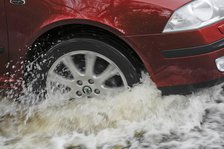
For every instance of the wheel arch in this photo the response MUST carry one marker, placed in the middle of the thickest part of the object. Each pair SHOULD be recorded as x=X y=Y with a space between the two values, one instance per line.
x=62 y=30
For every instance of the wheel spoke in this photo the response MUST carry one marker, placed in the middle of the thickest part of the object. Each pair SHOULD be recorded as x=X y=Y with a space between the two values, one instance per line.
x=54 y=77
x=68 y=62
x=68 y=95
x=109 y=72
x=64 y=96
x=111 y=90
x=90 y=63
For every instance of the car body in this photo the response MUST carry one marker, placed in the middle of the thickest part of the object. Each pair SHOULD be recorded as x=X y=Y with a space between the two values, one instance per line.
x=173 y=60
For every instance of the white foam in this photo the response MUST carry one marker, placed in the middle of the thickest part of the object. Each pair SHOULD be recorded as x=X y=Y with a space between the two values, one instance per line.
x=140 y=117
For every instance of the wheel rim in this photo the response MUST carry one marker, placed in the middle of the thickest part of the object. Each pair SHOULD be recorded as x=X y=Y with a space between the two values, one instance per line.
x=83 y=73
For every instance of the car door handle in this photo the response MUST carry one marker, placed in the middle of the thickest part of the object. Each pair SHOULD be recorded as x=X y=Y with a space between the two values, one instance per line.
x=18 y=2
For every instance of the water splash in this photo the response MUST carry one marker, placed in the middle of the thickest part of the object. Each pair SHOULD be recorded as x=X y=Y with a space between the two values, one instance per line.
x=140 y=118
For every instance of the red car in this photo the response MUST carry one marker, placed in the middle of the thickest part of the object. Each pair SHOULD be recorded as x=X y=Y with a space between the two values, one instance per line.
x=87 y=48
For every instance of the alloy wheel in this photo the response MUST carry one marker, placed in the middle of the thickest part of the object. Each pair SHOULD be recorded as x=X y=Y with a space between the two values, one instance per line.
x=82 y=73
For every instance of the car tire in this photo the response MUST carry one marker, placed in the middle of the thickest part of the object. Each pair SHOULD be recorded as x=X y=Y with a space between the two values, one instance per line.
x=54 y=67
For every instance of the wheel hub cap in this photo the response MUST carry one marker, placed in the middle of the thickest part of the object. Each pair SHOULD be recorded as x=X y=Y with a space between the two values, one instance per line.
x=87 y=90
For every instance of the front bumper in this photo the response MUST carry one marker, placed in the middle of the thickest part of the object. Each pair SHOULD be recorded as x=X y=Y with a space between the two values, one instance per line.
x=183 y=59
x=194 y=51
x=188 y=89
x=215 y=48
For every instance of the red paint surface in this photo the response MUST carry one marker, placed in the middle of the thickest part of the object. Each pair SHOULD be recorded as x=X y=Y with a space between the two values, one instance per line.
x=3 y=42
x=138 y=22
x=221 y=28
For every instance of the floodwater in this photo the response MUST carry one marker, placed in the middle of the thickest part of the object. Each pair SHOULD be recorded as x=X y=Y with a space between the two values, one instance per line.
x=136 y=119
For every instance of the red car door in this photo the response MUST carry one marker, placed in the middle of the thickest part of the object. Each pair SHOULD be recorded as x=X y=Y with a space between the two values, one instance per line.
x=24 y=18
x=3 y=43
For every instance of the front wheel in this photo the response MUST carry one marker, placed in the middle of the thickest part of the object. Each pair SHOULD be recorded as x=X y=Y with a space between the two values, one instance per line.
x=84 y=67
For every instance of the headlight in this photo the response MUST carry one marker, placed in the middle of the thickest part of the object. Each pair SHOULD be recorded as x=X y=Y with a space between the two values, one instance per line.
x=196 y=14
